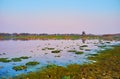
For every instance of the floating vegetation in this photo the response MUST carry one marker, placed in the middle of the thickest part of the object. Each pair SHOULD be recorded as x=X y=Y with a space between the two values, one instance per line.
x=13 y=59
x=55 y=51
x=43 y=48
x=32 y=63
x=16 y=59
x=84 y=46
x=21 y=67
x=108 y=42
x=71 y=50
x=5 y=60
x=79 y=52
x=19 y=59
x=46 y=48
x=50 y=48
x=76 y=52
x=24 y=57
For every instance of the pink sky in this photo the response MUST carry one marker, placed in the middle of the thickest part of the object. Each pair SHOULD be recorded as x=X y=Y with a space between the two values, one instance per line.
x=61 y=23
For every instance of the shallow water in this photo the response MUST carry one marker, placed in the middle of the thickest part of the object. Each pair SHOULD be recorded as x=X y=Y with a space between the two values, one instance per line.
x=33 y=49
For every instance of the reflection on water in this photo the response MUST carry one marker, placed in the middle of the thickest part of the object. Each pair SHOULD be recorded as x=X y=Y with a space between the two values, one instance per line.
x=34 y=49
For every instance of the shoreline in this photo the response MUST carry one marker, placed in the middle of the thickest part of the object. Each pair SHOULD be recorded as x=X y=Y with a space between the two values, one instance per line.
x=106 y=67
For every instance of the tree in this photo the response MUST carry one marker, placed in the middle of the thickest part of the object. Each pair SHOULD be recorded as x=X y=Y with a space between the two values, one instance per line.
x=83 y=33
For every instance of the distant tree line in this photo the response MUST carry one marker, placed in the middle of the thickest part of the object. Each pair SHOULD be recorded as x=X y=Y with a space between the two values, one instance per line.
x=33 y=34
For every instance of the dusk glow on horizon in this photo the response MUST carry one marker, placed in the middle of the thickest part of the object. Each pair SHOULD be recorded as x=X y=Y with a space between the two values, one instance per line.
x=60 y=16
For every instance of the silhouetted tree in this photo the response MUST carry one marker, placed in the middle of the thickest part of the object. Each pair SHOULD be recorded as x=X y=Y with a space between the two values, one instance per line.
x=83 y=33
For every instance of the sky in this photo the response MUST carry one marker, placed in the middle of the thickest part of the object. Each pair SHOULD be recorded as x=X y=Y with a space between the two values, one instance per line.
x=60 y=16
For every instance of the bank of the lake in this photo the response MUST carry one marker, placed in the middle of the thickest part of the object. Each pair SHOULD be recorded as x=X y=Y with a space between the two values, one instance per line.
x=107 y=66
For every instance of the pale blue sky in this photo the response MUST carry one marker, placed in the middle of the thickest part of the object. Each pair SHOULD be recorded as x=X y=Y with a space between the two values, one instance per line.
x=60 y=16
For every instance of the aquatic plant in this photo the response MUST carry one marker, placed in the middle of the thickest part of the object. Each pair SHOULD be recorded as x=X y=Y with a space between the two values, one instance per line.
x=50 y=48
x=16 y=59
x=21 y=67
x=43 y=48
x=46 y=48
x=55 y=51
x=5 y=60
x=32 y=63
x=71 y=50
x=79 y=52
x=84 y=46
x=19 y=59
x=75 y=51
x=13 y=59
x=24 y=57
x=108 y=42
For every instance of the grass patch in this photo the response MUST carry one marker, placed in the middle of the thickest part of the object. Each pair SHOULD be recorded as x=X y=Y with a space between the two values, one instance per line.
x=21 y=67
x=32 y=63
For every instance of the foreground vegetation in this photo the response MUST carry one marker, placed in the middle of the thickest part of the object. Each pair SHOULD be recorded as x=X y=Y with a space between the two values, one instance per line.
x=107 y=66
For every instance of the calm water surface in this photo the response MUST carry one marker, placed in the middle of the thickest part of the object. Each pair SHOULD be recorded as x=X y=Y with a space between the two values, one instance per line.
x=34 y=49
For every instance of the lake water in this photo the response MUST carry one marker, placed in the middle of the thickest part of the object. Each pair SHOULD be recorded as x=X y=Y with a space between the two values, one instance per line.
x=34 y=49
